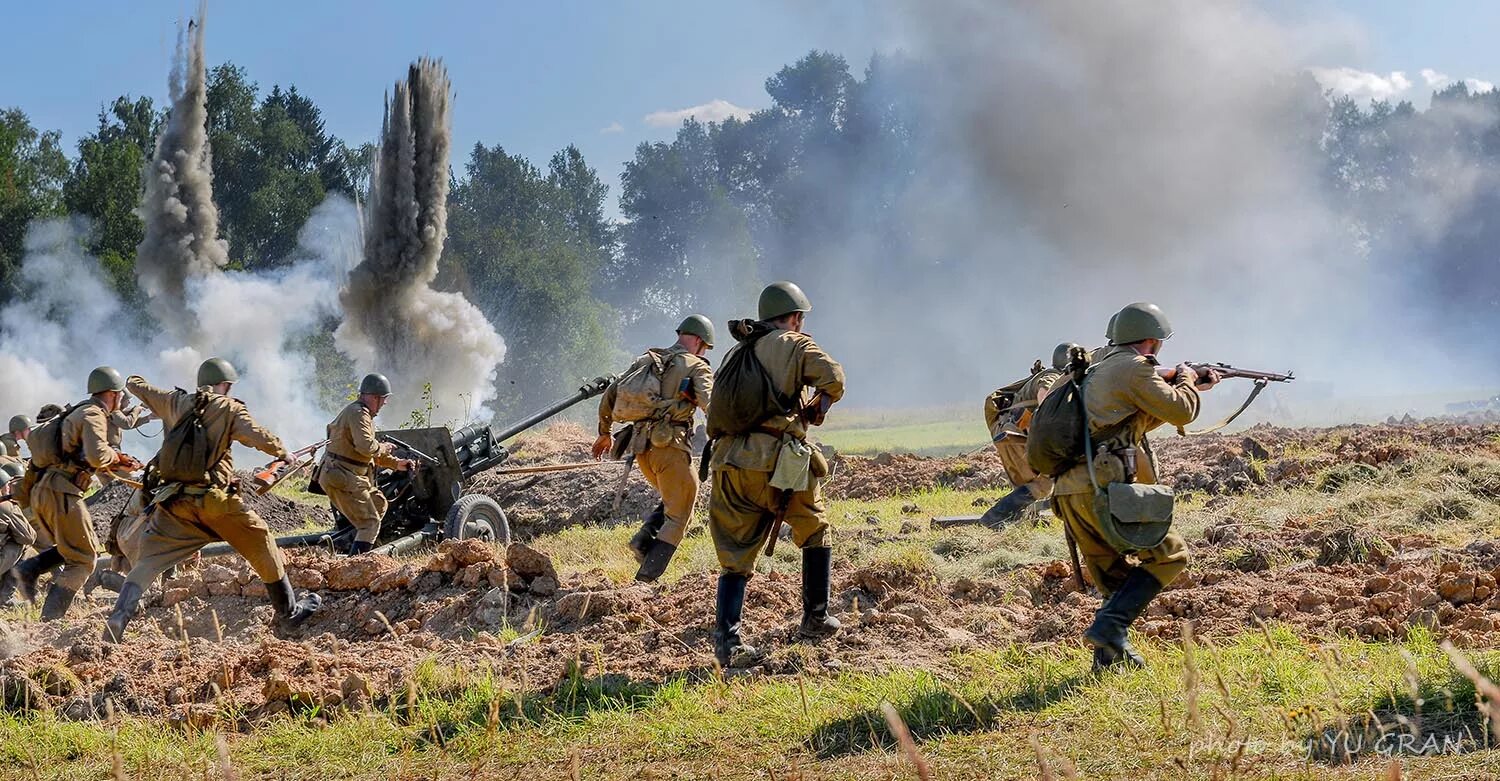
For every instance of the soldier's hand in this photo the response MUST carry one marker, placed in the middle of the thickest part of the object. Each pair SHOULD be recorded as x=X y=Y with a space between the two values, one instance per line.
x=406 y=465
x=602 y=446
x=1207 y=379
x=387 y=447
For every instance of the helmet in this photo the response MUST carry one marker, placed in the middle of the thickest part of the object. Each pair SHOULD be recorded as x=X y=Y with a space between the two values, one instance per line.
x=1140 y=321
x=698 y=326
x=48 y=412
x=105 y=378
x=782 y=298
x=11 y=470
x=216 y=370
x=1062 y=355
x=19 y=423
x=375 y=385
x=1109 y=330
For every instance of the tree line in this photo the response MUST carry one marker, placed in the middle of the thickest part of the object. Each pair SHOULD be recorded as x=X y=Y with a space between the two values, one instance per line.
x=836 y=160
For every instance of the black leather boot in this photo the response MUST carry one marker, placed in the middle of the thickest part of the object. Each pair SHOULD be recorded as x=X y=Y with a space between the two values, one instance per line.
x=1108 y=633
x=1008 y=510
x=359 y=546
x=729 y=604
x=640 y=544
x=290 y=611
x=58 y=601
x=29 y=570
x=7 y=591
x=656 y=561
x=817 y=574
x=125 y=609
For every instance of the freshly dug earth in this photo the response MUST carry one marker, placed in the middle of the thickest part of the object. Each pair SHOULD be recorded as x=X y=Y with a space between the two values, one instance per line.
x=205 y=649
x=280 y=513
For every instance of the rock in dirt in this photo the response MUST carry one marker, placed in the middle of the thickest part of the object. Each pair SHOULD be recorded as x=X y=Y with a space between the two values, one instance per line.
x=358 y=572
x=528 y=562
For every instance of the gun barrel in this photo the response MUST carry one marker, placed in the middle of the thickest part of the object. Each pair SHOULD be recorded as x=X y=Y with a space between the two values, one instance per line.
x=594 y=387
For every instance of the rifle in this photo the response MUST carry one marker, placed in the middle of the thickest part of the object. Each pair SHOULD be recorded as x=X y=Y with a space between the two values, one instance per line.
x=1225 y=372
x=269 y=475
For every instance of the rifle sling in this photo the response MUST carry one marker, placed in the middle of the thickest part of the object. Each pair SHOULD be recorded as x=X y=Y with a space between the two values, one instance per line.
x=1260 y=385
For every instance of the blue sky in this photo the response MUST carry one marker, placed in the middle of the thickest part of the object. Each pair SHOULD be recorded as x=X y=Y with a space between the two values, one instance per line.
x=536 y=76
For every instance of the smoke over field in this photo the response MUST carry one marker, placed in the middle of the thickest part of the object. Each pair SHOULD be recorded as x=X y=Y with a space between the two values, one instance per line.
x=182 y=223
x=395 y=322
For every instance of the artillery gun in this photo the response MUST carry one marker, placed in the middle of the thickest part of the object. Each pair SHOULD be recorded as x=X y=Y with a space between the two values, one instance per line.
x=427 y=505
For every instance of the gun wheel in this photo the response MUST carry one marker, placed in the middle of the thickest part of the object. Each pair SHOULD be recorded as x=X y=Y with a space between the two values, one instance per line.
x=477 y=516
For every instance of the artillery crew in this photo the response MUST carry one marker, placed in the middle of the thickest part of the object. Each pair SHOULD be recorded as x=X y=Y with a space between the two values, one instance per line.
x=75 y=448
x=1125 y=394
x=347 y=471
x=194 y=494
x=658 y=397
x=746 y=504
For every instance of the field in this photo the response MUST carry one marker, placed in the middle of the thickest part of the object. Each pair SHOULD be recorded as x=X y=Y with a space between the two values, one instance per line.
x=1340 y=579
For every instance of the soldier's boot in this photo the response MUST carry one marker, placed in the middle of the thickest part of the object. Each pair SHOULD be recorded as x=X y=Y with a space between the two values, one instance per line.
x=640 y=544
x=125 y=609
x=1008 y=510
x=7 y=591
x=817 y=575
x=656 y=561
x=58 y=601
x=360 y=546
x=25 y=574
x=729 y=604
x=1108 y=634
x=290 y=611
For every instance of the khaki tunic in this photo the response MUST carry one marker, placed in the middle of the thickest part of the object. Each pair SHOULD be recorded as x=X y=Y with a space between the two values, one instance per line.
x=15 y=534
x=662 y=445
x=351 y=486
x=1122 y=385
x=187 y=517
x=57 y=498
x=1009 y=433
x=743 y=505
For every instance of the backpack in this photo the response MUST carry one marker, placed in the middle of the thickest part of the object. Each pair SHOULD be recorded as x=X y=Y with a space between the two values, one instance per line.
x=1000 y=401
x=187 y=453
x=638 y=393
x=45 y=442
x=1055 y=441
x=744 y=394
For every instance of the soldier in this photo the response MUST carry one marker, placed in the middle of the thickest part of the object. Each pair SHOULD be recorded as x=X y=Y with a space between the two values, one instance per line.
x=20 y=427
x=1124 y=388
x=662 y=442
x=1008 y=429
x=347 y=471
x=189 y=513
x=56 y=498
x=15 y=531
x=744 y=506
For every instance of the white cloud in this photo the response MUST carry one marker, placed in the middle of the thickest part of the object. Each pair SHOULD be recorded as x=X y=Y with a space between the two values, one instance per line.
x=613 y=127
x=716 y=110
x=1365 y=86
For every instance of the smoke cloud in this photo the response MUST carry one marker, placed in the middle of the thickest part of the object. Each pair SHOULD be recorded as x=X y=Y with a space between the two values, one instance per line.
x=395 y=323
x=182 y=223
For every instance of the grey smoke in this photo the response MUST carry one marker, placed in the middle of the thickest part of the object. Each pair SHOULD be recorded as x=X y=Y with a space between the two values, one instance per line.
x=181 y=221
x=395 y=322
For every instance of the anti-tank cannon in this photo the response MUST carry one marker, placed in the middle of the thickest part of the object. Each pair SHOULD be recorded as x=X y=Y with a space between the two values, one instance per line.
x=427 y=505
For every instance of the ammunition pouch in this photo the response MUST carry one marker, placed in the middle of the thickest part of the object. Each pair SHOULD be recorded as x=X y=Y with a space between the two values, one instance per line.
x=1133 y=516
x=313 y=486
x=622 y=440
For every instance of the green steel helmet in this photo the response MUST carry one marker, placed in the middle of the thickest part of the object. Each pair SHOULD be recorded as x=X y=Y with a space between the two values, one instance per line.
x=375 y=385
x=216 y=370
x=11 y=470
x=19 y=423
x=1062 y=355
x=782 y=298
x=1109 y=330
x=698 y=326
x=1139 y=321
x=105 y=378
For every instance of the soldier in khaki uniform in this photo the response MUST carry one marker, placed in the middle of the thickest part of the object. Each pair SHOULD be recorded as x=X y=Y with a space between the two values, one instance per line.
x=57 y=496
x=20 y=427
x=1126 y=386
x=662 y=444
x=188 y=515
x=15 y=531
x=743 y=504
x=347 y=471
x=1008 y=429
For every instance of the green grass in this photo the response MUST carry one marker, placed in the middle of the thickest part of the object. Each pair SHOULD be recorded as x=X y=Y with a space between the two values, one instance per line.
x=1254 y=704
x=937 y=431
